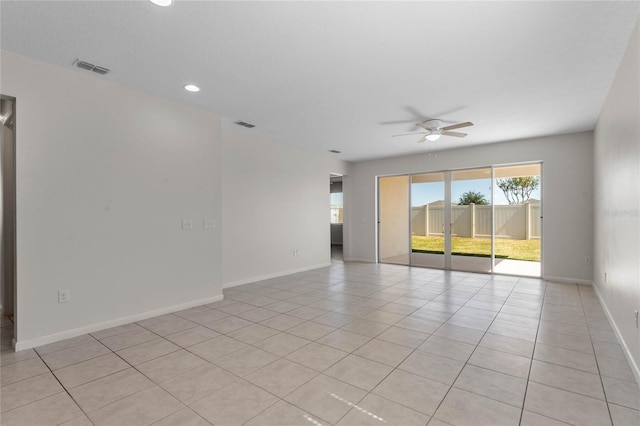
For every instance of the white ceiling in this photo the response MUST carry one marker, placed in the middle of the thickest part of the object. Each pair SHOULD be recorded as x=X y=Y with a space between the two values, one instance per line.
x=331 y=75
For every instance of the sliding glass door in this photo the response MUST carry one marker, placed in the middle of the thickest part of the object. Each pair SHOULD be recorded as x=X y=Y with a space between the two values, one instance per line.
x=393 y=220
x=479 y=220
x=427 y=220
x=518 y=219
x=471 y=220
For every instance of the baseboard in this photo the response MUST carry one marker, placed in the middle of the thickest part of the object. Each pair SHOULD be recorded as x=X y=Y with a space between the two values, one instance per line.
x=51 y=338
x=627 y=353
x=567 y=280
x=274 y=275
x=358 y=260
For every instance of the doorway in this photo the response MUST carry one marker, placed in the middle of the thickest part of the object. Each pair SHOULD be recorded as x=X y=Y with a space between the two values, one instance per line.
x=336 y=217
x=8 y=221
x=486 y=219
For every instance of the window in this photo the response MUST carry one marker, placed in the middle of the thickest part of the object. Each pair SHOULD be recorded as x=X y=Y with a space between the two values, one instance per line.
x=336 y=207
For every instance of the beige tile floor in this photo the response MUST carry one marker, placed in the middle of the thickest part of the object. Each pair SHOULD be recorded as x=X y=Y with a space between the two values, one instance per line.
x=352 y=344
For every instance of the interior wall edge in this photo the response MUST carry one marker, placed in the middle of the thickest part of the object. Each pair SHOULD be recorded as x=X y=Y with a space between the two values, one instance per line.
x=273 y=275
x=635 y=368
x=567 y=280
x=20 y=345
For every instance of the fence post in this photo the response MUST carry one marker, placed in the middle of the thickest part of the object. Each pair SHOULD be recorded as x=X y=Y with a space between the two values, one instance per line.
x=527 y=220
x=426 y=220
x=473 y=220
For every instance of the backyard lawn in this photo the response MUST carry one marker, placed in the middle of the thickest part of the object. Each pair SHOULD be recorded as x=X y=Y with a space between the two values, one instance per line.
x=505 y=249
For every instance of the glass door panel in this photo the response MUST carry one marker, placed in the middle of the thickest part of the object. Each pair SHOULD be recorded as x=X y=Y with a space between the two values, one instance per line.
x=471 y=220
x=518 y=223
x=393 y=220
x=427 y=220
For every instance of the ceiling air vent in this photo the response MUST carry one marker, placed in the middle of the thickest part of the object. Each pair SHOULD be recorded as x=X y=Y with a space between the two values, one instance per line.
x=245 y=124
x=335 y=151
x=91 y=67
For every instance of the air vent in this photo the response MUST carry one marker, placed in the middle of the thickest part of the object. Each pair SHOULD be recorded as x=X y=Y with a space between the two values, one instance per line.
x=100 y=70
x=91 y=67
x=335 y=151
x=245 y=124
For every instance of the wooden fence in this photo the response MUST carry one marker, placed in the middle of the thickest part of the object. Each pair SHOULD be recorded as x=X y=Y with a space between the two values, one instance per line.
x=515 y=221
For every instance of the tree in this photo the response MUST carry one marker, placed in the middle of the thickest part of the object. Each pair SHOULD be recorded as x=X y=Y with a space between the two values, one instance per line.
x=472 y=197
x=518 y=189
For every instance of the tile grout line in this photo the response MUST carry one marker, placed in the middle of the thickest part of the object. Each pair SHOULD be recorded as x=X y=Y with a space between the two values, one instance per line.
x=449 y=287
x=65 y=388
x=349 y=384
x=535 y=342
x=108 y=375
x=606 y=399
x=474 y=349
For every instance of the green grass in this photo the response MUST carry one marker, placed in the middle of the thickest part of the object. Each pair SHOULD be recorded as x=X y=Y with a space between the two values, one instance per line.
x=463 y=246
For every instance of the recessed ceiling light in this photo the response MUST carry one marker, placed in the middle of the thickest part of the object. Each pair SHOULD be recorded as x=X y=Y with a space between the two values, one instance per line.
x=191 y=88
x=163 y=3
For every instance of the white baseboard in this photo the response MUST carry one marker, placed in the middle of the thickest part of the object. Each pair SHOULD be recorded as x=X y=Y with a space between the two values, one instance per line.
x=274 y=275
x=567 y=280
x=51 y=338
x=359 y=260
x=627 y=353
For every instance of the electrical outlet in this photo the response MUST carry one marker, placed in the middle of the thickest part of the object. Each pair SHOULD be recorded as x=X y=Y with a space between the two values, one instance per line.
x=587 y=261
x=636 y=315
x=605 y=277
x=209 y=223
x=64 y=296
x=187 y=224
x=296 y=252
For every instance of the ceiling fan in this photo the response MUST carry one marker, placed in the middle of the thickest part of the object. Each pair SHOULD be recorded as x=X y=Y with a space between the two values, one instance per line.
x=433 y=130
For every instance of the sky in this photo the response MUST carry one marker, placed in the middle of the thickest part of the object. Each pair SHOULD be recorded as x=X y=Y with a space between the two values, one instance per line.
x=424 y=193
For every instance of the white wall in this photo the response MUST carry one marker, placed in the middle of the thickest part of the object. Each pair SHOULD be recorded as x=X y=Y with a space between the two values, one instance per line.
x=567 y=188
x=617 y=195
x=105 y=175
x=275 y=200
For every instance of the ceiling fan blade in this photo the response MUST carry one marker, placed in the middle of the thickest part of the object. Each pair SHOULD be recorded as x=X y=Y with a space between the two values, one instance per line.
x=407 y=134
x=456 y=134
x=457 y=126
x=422 y=139
x=424 y=126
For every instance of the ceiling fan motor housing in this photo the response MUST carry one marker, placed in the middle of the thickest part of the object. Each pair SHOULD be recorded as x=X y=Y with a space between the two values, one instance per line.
x=434 y=124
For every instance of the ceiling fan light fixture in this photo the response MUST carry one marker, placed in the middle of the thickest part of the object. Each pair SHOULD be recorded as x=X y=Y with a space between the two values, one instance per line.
x=434 y=135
